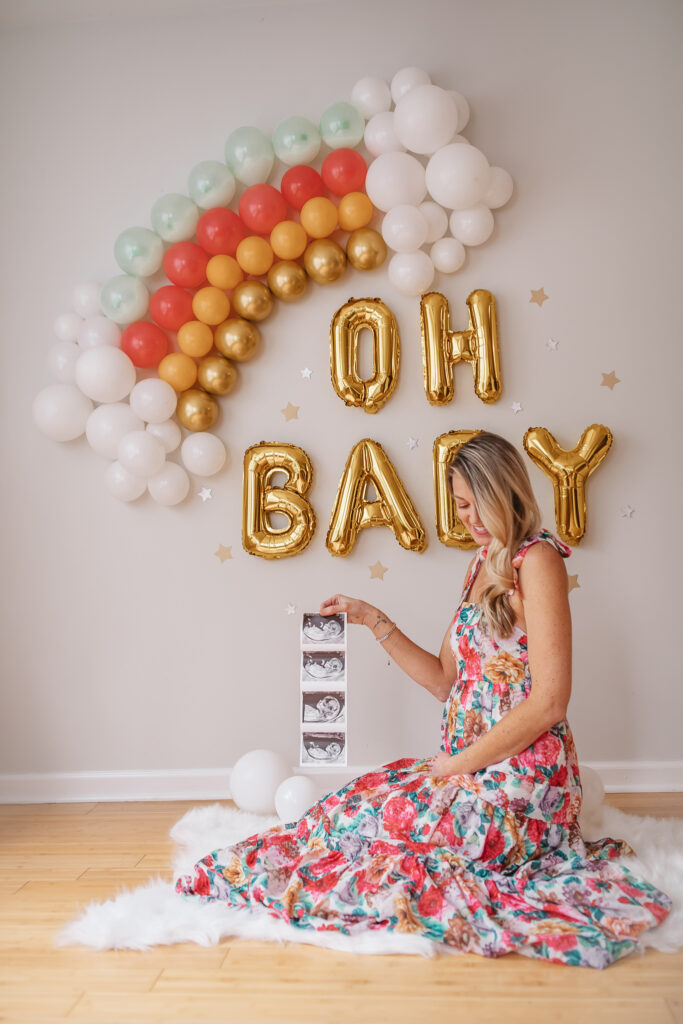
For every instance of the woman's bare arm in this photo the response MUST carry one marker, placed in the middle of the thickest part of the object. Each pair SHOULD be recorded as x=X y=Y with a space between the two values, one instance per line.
x=543 y=589
x=435 y=674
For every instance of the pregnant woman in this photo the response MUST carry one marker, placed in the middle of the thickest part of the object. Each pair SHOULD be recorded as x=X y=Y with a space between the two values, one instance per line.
x=478 y=848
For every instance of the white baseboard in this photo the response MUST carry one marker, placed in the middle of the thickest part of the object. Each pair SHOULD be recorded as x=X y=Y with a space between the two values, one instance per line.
x=214 y=784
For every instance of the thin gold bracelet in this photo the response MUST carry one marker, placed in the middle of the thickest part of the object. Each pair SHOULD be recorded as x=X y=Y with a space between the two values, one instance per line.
x=381 y=639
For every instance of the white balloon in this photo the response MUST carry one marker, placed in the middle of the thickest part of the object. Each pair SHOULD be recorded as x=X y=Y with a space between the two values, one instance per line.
x=380 y=136
x=85 y=298
x=66 y=326
x=61 y=411
x=203 y=453
x=499 y=189
x=437 y=219
x=168 y=433
x=425 y=119
x=394 y=179
x=255 y=779
x=457 y=176
x=170 y=486
x=153 y=400
x=371 y=96
x=593 y=790
x=105 y=374
x=411 y=273
x=447 y=255
x=294 y=797
x=407 y=79
x=461 y=139
x=122 y=484
x=107 y=424
x=462 y=107
x=404 y=229
x=61 y=361
x=473 y=226
x=98 y=330
x=141 y=454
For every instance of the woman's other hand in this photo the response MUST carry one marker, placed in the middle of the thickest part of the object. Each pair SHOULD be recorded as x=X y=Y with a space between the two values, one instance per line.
x=444 y=764
x=357 y=612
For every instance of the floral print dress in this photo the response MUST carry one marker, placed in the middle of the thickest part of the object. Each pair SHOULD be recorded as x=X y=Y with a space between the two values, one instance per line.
x=489 y=863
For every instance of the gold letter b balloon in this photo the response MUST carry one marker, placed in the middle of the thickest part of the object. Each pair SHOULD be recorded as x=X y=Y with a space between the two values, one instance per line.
x=352 y=511
x=260 y=498
x=569 y=471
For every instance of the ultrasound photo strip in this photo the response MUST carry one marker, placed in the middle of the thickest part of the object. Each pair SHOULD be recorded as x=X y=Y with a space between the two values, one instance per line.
x=323 y=693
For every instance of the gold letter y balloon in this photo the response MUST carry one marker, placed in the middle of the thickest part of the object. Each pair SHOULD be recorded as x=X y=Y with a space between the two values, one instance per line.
x=261 y=463
x=569 y=471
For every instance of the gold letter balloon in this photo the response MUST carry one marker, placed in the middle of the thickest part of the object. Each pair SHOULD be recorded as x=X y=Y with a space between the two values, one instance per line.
x=442 y=347
x=260 y=499
x=449 y=526
x=368 y=464
x=569 y=471
x=345 y=334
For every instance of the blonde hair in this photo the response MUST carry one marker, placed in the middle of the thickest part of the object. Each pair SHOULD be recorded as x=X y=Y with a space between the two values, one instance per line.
x=499 y=481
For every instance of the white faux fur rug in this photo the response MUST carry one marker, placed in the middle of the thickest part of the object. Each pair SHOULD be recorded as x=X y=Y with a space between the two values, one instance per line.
x=154 y=914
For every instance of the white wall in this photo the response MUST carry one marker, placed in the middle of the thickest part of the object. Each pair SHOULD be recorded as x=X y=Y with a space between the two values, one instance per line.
x=126 y=645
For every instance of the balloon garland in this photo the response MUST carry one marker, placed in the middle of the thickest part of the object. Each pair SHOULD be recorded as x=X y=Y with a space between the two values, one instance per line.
x=227 y=261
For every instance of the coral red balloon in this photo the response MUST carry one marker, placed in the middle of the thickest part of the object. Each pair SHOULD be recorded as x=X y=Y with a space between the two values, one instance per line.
x=301 y=183
x=145 y=344
x=185 y=264
x=171 y=307
x=262 y=207
x=219 y=231
x=344 y=171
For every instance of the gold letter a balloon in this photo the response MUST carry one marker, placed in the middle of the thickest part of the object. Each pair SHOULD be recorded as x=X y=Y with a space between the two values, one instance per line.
x=569 y=471
x=260 y=499
x=352 y=511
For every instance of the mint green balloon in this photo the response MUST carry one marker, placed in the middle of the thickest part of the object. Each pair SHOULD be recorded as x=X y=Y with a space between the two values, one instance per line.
x=250 y=155
x=211 y=184
x=174 y=217
x=139 y=251
x=341 y=125
x=124 y=299
x=296 y=141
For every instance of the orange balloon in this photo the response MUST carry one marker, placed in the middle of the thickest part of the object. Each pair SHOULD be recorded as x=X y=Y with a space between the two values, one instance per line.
x=178 y=370
x=195 y=338
x=211 y=305
x=288 y=240
x=224 y=272
x=319 y=217
x=355 y=211
x=254 y=255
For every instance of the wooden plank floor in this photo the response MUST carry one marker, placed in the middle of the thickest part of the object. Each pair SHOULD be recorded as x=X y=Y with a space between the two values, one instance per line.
x=54 y=858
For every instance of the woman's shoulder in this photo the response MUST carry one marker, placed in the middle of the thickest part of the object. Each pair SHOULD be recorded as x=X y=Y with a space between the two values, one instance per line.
x=542 y=545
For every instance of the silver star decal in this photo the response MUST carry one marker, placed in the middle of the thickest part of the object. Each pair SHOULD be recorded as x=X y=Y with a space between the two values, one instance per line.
x=205 y=494
x=627 y=512
x=516 y=407
x=551 y=344
x=412 y=443
x=306 y=373
x=291 y=609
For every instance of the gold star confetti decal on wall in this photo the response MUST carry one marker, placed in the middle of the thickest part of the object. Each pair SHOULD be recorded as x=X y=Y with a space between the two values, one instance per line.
x=290 y=412
x=223 y=553
x=573 y=583
x=609 y=380
x=377 y=571
x=539 y=296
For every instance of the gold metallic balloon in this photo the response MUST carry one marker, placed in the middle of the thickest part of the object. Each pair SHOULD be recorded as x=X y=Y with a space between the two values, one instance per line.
x=368 y=463
x=252 y=300
x=237 y=339
x=196 y=410
x=442 y=347
x=287 y=280
x=366 y=249
x=449 y=527
x=217 y=375
x=260 y=498
x=325 y=261
x=345 y=334
x=569 y=471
